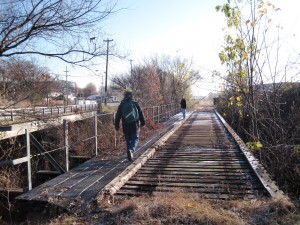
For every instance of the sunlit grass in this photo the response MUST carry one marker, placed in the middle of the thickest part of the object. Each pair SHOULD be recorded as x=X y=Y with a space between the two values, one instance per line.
x=186 y=208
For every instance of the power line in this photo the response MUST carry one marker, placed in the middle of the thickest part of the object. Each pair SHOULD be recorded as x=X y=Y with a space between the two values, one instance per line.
x=91 y=75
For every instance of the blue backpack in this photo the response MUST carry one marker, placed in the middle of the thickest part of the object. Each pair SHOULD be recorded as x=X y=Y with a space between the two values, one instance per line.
x=130 y=112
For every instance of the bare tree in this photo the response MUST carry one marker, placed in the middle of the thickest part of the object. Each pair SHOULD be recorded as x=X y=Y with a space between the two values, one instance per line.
x=143 y=81
x=23 y=80
x=160 y=80
x=89 y=89
x=63 y=29
x=176 y=76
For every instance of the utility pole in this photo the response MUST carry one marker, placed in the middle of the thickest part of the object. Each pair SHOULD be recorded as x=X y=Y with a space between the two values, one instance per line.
x=67 y=84
x=131 y=60
x=107 y=49
x=102 y=77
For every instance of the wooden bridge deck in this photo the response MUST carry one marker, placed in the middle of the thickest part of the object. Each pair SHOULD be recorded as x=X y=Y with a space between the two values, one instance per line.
x=201 y=154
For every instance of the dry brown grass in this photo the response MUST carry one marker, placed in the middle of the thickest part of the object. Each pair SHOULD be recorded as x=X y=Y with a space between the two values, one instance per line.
x=186 y=208
x=170 y=208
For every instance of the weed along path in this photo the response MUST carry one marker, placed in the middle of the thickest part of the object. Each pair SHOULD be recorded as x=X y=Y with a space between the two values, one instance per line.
x=198 y=154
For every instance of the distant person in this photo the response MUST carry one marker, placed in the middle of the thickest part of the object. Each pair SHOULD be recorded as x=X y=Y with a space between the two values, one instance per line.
x=183 y=107
x=132 y=117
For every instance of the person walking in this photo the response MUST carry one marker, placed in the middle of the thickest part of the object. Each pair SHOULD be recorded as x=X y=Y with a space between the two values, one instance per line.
x=183 y=107
x=132 y=118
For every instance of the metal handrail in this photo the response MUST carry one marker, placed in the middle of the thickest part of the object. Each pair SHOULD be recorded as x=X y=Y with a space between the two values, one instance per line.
x=23 y=113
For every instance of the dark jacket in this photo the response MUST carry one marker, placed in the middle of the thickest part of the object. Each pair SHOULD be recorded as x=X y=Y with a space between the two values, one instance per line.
x=129 y=128
x=183 y=103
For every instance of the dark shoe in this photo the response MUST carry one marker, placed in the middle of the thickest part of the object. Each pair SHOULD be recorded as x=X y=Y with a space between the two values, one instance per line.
x=130 y=155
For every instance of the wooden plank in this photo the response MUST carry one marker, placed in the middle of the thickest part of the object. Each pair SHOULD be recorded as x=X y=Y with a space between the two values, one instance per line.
x=197 y=164
x=202 y=189
x=160 y=181
x=162 y=158
x=59 y=184
x=218 y=196
x=200 y=150
x=192 y=176
x=215 y=185
x=80 y=180
x=200 y=173
x=196 y=168
x=199 y=169
x=217 y=153
x=225 y=152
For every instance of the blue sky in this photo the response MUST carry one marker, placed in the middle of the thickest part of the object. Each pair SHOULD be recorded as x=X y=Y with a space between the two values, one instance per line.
x=189 y=28
x=143 y=21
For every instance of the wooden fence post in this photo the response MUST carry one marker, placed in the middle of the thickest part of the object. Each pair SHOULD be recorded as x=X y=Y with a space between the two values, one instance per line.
x=66 y=143
x=28 y=159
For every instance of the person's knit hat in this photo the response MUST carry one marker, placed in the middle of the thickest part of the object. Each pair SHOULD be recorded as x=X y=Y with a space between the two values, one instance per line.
x=128 y=93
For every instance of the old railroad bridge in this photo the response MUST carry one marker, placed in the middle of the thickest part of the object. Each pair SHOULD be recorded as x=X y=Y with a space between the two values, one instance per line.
x=201 y=154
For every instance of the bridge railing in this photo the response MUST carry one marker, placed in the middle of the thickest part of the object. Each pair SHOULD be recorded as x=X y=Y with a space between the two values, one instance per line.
x=16 y=114
x=78 y=140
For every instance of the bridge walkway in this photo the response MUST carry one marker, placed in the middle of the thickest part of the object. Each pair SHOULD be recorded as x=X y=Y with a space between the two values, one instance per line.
x=84 y=182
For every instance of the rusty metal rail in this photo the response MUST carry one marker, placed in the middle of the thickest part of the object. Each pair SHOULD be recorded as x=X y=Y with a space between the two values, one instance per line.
x=201 y=156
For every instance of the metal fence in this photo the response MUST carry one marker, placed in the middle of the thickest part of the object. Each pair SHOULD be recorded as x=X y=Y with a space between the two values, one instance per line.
x=85 y=138
x=23 y=113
